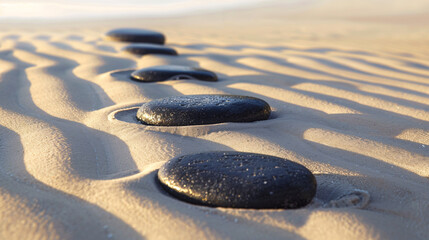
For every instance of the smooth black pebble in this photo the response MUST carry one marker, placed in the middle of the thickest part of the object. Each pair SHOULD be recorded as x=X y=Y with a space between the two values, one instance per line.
x=135 y=35
x=238 y=180
x=143 y=49
x=172 y=72
x=203 y=109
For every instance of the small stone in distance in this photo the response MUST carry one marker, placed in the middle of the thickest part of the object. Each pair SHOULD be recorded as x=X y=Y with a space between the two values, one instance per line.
x=144 y=49
x=172 y=72
x=135 y=35
x=238 y=180
x=203 y=109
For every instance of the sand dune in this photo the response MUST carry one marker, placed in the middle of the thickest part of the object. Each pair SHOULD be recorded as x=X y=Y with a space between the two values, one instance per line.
x=349 y=100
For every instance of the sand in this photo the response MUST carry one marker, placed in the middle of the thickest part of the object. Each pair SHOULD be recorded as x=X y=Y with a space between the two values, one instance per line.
x=349 y=89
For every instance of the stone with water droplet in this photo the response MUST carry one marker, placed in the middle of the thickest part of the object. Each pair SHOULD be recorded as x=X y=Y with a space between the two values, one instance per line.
x=172 y=72
x=135 y=35
x=203 y=109
x=220 y=181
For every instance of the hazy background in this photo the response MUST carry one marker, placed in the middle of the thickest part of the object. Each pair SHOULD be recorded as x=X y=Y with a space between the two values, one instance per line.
x=49 y=9
x=83 y=9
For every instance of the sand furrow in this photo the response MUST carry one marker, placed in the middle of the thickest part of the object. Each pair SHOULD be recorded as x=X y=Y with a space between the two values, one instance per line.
x=413 y=162
x=47 y=87
x=89 y=64
x=336 y=65
x=389 y=71
x=414 y=67
x=296 y=98
x=32 y=207
x=100 y=47
x=68 y=148
x=398 y=94
x=317 y=72
x=48 y=157
x=348 y=70
x=374 y=64
x=86 y=67
x=373 y=102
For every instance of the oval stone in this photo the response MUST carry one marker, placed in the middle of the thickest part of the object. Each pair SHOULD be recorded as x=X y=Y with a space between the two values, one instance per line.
x=203 y=109
x=238 y=180
x=135 y=35
x=143 y=49
x=172 y=72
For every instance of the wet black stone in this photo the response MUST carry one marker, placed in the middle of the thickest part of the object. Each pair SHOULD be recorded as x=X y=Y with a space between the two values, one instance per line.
x=238 y=180
x=203 y=109
x=143 y=49
x=135 y=35
x=172 y=72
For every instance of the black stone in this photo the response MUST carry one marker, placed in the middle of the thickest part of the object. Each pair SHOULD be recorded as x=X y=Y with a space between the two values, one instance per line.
x=172 y=72
x=238 y=180
x=143 y=49
x=203 y=109
x=135 y=35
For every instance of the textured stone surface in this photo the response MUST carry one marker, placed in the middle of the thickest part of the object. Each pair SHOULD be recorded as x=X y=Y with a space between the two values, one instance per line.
x=203 y=109
x=135 y=35
x=172 y=72
x=143 y=49
x=238 y=180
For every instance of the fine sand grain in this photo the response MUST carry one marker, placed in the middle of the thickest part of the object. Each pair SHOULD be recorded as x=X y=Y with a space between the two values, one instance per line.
x=349 y=95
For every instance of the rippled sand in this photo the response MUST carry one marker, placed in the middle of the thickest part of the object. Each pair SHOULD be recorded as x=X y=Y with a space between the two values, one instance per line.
x=350 y=102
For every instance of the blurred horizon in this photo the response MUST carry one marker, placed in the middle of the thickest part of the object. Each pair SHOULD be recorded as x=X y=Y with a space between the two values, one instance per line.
x=65 y=9
x=46 y=10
